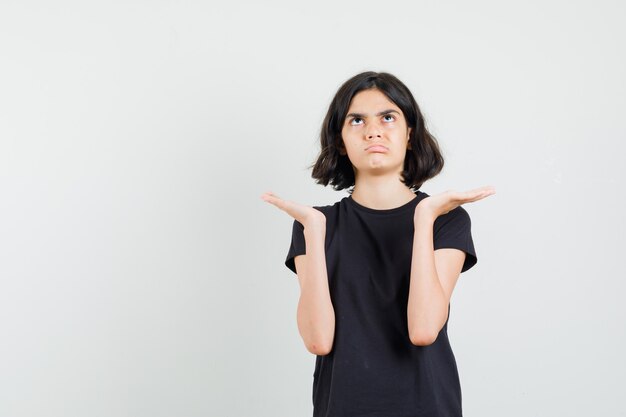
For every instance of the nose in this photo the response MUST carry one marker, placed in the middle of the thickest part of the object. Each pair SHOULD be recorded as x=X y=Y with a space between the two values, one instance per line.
x=373 y=131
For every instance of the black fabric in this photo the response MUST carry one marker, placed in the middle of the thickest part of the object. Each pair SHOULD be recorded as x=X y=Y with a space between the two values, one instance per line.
x=373 y=369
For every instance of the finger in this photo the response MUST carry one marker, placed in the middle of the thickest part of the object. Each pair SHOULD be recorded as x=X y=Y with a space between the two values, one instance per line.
x=487 y=189
x=483 y=189
x=481 y=193
x=465 y=196
x=272 y=198
x=278 y=202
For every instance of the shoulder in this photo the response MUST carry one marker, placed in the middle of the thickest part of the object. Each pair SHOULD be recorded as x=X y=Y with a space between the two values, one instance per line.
x=329 y=210
x=453 y=227
x=458 y=212
x=457 y=217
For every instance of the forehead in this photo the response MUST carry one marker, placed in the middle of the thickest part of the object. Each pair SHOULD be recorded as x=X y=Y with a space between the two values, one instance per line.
x=371 y=99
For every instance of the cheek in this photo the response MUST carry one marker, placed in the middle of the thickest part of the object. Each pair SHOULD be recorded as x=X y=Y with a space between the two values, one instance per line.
x=347 y=136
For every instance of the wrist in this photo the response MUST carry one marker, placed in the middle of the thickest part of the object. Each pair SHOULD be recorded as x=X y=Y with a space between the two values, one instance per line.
x=315 y=227
x=423 y=216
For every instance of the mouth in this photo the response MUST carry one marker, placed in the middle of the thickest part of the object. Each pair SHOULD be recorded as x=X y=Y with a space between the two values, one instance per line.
x=376 y=148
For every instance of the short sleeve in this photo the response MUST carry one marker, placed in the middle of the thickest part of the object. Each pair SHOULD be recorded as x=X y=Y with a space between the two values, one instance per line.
x=453 y=230
x=297 y=246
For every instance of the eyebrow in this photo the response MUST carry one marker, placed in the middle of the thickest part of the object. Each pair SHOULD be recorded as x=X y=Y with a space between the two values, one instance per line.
x=380 y=113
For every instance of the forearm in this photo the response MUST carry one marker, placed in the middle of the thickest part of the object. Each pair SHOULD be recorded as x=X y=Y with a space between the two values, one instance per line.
x=427 y=309
x=316 y=316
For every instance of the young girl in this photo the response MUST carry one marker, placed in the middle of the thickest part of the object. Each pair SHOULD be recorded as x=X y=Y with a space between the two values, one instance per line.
x=377 y=268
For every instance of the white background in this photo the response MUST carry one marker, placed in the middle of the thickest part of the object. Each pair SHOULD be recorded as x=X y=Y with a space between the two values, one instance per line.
x=142 y=275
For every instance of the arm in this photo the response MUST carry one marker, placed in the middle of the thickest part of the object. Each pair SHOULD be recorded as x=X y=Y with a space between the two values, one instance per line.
x=316 y=316
x=433 y=277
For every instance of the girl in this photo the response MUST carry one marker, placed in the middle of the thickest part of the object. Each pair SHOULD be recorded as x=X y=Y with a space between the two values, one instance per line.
x=377 y=268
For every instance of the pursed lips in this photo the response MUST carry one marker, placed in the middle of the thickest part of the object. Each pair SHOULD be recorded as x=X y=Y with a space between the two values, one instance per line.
x=377 y=148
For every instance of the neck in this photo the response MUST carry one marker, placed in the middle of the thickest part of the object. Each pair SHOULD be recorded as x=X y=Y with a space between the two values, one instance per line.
x=383 y=192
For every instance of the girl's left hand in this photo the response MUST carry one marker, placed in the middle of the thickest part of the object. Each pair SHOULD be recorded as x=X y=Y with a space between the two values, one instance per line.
x=438 y=204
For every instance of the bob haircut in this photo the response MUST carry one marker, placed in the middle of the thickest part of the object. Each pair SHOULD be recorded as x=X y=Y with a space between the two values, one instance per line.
x=422 y=161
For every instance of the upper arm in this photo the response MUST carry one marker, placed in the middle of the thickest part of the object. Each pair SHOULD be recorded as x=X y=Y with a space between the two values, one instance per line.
x=454 y=230
x=297 y=246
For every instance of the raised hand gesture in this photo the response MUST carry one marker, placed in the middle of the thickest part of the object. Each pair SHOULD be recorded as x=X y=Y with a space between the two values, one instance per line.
x=438 y=204
x=308 y=216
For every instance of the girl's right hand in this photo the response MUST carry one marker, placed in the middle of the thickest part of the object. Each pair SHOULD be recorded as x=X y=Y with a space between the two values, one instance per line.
x=308 y=216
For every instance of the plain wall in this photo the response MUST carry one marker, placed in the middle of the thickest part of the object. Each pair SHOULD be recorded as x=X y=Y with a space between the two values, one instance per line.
x=142 y=275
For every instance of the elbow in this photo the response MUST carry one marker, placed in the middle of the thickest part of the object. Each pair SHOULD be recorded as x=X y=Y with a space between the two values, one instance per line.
x=423 y=338
x=320 y=349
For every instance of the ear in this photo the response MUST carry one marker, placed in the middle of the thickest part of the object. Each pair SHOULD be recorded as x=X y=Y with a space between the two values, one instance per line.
x=342 y=148
x=408 y=135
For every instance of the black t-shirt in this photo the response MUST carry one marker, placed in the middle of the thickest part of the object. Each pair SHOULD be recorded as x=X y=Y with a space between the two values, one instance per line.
x=373 y=368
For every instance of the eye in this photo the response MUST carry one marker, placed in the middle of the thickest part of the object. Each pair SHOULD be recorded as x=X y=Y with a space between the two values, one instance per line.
x=392 y=117
x=355 y=118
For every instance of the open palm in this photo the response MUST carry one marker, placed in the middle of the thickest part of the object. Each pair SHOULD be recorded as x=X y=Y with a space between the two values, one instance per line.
x=442 y=203
x=306 y=215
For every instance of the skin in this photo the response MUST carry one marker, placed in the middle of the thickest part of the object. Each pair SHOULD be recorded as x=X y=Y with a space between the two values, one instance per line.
x=374 y=119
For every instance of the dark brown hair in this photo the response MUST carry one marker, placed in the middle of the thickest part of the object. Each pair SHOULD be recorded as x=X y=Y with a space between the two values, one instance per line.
x=422 y=162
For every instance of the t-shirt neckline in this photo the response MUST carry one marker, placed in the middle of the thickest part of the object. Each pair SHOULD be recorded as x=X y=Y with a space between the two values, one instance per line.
x=406 y=206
